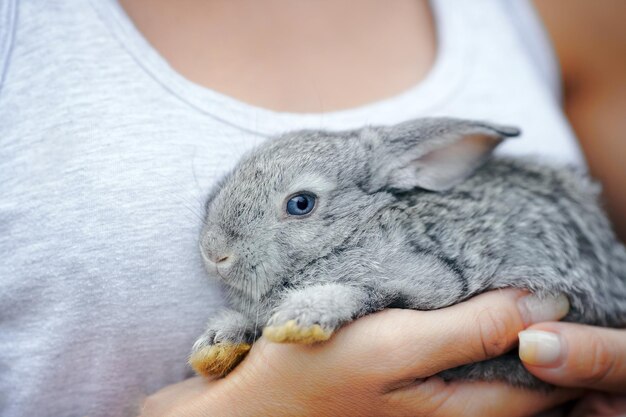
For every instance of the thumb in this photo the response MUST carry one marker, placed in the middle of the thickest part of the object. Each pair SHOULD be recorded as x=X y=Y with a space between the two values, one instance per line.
x=575 y=355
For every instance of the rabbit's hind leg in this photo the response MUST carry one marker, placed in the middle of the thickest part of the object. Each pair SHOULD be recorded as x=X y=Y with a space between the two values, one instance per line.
x=506 y=368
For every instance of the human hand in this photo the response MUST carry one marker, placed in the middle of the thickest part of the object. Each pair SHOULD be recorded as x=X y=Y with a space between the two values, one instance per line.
x=574 y=355
x=380 y=365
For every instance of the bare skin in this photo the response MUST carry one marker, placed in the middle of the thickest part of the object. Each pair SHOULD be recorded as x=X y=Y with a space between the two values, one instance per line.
x=293 y=56
x=322 y=56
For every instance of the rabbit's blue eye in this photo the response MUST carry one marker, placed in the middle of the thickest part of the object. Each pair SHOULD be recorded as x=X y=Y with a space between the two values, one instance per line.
x=300 y=204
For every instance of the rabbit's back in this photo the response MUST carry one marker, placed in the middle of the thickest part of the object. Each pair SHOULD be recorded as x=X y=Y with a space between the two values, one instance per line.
x=518 y=223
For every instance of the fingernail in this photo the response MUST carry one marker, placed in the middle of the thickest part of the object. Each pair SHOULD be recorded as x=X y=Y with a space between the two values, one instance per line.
x=537 y=347
x=534 y=309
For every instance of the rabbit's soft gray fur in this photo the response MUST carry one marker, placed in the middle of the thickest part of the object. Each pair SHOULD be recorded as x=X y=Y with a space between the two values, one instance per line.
x=404 y=218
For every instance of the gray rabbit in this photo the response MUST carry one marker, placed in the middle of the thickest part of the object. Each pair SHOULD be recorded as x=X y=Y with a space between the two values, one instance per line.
x=315 y=229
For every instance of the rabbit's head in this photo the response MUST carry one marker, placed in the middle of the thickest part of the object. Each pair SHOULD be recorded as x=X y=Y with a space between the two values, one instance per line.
x=299 y=197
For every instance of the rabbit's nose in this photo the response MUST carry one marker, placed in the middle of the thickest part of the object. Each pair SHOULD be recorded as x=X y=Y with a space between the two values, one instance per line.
x=220 y=259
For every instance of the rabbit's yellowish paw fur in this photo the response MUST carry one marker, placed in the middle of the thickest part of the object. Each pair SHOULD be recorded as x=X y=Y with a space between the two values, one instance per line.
x=218 y=359
x=290 y=332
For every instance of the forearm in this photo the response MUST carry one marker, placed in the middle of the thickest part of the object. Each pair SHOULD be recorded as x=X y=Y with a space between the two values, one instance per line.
x=597 y=111
x=590 y=42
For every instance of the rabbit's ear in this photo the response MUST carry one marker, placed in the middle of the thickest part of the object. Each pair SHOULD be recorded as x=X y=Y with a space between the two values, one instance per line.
x=434 y=154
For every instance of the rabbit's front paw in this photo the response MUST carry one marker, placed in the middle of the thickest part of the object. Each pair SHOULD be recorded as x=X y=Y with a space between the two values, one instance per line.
x=312 y=314
x=292 y=332
x=211 y=357
x=299 y=326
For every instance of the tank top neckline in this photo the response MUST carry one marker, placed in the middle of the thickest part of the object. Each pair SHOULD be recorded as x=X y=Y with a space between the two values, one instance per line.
x=443 y=78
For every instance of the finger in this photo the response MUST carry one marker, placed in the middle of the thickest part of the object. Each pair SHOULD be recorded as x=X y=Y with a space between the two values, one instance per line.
x=576 y=355
x=599 y=404
x=437 y=398
x=422 y=343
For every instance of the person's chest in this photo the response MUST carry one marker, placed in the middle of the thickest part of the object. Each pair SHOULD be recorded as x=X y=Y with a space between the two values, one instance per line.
x=294 y=57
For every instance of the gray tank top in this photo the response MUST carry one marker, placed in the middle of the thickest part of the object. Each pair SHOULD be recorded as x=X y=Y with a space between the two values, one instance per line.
x=106 y=156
